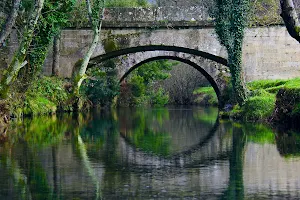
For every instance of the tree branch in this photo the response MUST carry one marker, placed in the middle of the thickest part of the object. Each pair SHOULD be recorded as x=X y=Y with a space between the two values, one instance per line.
x=290 y=18
x=10 y=21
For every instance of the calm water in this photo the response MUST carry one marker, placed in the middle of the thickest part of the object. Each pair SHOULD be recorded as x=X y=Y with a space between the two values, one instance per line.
x=175 y=153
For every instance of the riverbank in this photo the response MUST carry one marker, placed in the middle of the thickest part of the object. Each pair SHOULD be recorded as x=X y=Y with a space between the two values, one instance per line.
x=45 y=96
x=273 y=101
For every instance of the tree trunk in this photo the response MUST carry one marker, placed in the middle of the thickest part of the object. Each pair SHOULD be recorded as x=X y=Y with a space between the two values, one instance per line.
x=79 y=72
x=18 y=60
x=10 y=21
x=80 y=69
x=290 y=18
x=56 y=55
x=236 y=71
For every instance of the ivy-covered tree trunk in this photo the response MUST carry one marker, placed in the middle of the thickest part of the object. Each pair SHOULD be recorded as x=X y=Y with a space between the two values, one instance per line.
x=17 y=62
x=55 y=15
x=290 y=18
x=95 y=15
x=10 y=21
x=237 y=78
x=231 y=21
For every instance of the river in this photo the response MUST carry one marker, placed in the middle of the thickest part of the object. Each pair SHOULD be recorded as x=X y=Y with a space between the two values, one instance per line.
x=147 y=153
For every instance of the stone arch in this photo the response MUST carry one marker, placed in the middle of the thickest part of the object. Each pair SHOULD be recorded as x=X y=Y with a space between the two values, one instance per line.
x=121 y=52
x=215 y=66
x=192 y=64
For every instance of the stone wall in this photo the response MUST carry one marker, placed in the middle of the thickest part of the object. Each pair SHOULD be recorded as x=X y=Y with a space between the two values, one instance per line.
x=269 y=52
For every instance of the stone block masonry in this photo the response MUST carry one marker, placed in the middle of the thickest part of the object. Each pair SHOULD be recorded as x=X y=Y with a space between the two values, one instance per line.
x=268 y=52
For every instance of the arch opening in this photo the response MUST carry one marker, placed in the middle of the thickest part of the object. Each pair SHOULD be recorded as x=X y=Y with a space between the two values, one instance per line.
x=186 y=61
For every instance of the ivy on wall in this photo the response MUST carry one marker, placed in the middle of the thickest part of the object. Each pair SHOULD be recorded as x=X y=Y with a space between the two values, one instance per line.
x=231 y=19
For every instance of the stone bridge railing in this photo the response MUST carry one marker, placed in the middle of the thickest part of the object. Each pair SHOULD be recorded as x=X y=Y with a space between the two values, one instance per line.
x=156 y=17
x=171 y=17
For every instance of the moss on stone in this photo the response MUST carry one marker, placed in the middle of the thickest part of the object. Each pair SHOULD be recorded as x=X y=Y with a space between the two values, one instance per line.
x=110 y=45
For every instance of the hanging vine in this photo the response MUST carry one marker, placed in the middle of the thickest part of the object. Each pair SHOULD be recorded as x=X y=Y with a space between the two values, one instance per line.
x=231 y=20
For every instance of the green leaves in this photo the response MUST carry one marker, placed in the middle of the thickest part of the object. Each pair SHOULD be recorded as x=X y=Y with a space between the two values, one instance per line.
x=103 y=85
x=142 y=82
x=126 y=3
x=231 y=20
x=54 y=16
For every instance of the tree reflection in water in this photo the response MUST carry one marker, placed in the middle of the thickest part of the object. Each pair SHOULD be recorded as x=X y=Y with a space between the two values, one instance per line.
x=138 y=153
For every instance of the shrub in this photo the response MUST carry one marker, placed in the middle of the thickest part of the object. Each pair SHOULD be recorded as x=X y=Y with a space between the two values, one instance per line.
x=143 y=84
x=102 y=86
x=258 y=107
x=159 y=98
x=205 y=96
x=44 y=96
x=51 y=88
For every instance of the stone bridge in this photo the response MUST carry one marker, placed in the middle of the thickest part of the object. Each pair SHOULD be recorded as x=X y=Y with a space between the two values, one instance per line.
x=134 y=36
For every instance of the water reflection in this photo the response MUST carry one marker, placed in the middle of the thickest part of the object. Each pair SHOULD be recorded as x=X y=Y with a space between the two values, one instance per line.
x=147 y=153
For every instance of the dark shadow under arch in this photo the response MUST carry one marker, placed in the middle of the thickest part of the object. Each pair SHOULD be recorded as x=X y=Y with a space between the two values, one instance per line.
x=200 y=69
x=114 y=54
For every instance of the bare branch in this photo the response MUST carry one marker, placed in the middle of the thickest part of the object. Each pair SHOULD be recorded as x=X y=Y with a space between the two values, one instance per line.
x=10 y=21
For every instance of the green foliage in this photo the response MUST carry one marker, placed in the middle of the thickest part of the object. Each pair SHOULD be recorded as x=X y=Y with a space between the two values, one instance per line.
x=287 y=111
x=45 y=95
x=231 y=18
x=261 y=103
x=102 y=86
x=265 y=84
x=259 y=107
x=38 y=106
x=154 y=71
x=97 y=6
x=51 y=88
x=137 y=86
x=55 y=15
x=159 y=98
x=292 y=84
x=142 y=83
x=78 y=16
x=127 y=3
x=273 y=86
x=205 y=96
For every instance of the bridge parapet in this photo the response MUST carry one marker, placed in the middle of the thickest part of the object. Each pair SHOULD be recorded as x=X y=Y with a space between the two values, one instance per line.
x=157 y=17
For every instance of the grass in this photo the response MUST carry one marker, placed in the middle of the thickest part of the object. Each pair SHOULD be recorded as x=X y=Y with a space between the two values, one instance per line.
x=261 y=103
x=273 y=86
x=206 y=96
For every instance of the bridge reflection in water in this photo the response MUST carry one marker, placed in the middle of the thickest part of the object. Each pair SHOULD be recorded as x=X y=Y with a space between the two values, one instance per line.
x=147 y=153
